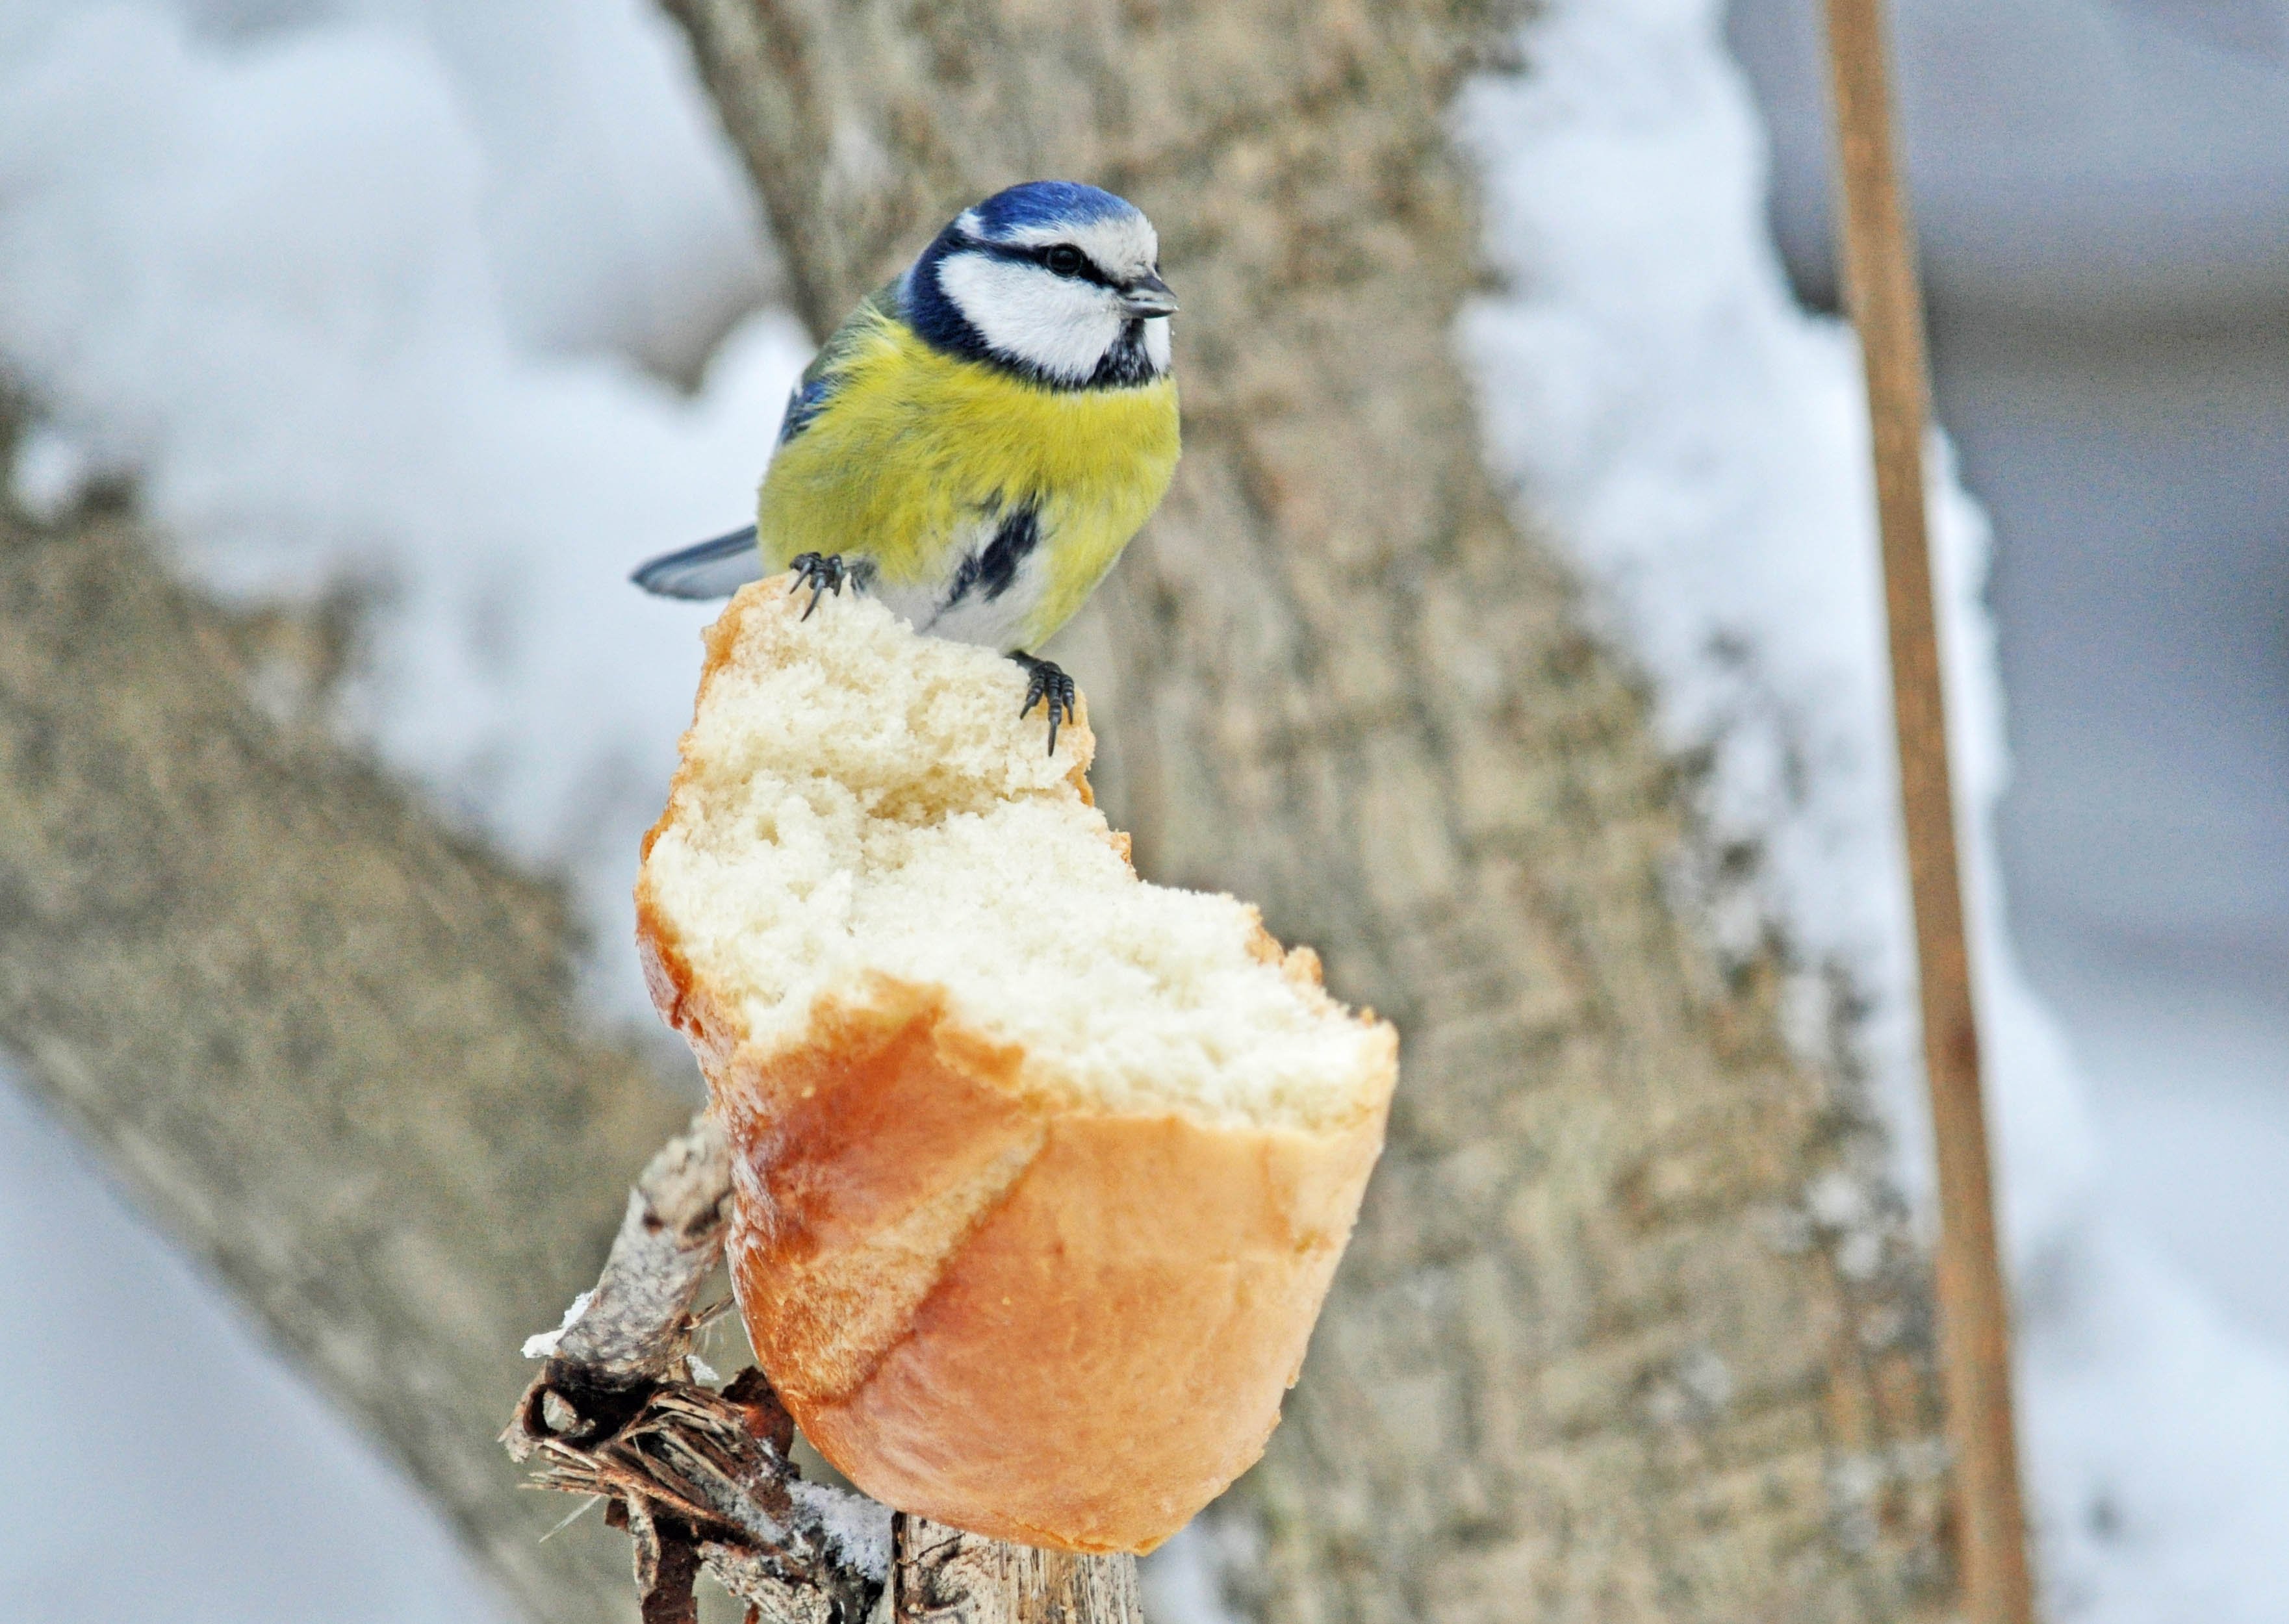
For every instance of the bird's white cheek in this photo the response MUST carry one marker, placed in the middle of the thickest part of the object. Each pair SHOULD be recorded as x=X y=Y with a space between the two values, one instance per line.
x=1157 y=339
x=1062 y=326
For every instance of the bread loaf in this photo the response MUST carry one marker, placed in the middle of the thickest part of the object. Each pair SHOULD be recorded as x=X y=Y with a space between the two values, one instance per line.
x=1043 y=1171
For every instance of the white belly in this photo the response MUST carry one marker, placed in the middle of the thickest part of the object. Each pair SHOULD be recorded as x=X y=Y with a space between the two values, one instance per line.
x=996 y=623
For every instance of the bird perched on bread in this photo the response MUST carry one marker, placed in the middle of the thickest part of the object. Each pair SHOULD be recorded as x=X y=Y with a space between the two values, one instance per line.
x=981 y=437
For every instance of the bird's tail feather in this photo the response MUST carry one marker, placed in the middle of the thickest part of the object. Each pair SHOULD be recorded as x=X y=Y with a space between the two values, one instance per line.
x=712 y=570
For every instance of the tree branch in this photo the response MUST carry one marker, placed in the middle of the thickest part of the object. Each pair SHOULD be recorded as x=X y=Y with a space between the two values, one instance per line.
x=701 y=1478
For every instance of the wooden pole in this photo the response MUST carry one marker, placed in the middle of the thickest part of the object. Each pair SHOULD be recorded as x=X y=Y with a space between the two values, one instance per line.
x=1879 y=276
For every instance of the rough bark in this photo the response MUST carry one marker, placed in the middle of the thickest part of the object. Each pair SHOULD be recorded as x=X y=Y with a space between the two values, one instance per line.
x=1626 y=1333
x=942 y=1575
x=329 y=1046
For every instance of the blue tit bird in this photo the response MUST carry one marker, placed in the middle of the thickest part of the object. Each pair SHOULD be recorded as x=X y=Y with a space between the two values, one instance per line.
x=980 y=439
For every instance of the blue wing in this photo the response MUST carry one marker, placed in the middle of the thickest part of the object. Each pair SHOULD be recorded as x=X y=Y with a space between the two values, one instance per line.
x=712 y=570
x=809 y=397
x=821 y=378
x=719 y=567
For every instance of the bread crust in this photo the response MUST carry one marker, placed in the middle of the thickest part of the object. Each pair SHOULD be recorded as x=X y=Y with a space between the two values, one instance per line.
x=986 y=1302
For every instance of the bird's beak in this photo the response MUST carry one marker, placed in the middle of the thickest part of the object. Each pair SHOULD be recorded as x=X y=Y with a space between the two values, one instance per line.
x=1148 y=295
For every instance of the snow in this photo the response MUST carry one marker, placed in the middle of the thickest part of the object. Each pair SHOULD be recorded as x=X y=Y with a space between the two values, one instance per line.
x=458 y=308
x=295 y=281
x=392 y=298
x=857 y=1529
x=163 y=1461
x=543 y=1344
x=1697 y=443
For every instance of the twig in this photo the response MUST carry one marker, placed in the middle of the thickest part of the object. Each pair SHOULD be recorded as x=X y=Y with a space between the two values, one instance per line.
x=1975 y=1325
x=697 y=1477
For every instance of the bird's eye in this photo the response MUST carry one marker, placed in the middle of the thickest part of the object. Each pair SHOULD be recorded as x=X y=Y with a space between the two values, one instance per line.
x=1064 y=259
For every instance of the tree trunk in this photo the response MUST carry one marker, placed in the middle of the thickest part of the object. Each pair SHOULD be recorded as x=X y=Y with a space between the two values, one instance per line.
x=1597 y=1351
x=329 y=1046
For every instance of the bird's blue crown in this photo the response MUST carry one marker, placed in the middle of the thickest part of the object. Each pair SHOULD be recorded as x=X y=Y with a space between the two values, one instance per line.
x=1045 y=202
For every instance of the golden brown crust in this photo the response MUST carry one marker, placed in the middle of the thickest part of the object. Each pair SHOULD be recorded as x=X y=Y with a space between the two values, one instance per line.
x=1051 y=1325
x=994 y=1307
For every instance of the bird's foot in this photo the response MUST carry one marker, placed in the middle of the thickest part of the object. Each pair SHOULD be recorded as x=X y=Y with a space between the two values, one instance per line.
x=822 y=572
x=1046 y=681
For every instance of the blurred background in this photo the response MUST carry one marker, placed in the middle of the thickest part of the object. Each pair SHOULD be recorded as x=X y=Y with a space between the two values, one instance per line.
x=533 y=201
x=2103 y=192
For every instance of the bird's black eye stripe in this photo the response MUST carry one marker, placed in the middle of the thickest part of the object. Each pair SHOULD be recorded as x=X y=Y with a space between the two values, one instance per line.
x=1058 y=259
x=1064 y=259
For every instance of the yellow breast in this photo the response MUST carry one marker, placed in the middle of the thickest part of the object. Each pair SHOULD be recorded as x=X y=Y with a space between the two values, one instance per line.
x=916 y=449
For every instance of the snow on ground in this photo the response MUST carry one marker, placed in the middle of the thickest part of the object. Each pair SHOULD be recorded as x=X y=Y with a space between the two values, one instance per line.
x=162 y=1463
x=1697 y=443
x=381 y=295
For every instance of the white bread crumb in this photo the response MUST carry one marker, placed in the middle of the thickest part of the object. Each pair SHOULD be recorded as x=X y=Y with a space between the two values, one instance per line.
x=860 y=800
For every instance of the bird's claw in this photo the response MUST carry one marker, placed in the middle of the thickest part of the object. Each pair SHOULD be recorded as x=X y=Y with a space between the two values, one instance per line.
x=822 y=572
x=1045 y=681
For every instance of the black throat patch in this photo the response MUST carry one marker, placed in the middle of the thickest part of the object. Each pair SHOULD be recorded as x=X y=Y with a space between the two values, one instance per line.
x=993 y=569
x=1126 y=363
